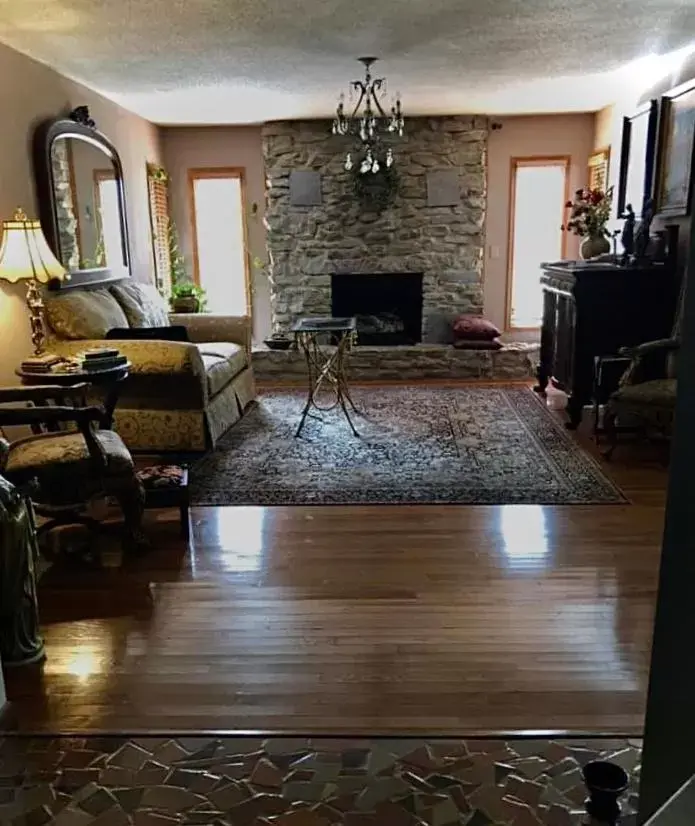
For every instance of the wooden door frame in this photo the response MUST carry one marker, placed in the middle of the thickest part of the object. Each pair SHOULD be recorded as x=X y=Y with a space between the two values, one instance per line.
x=210 y=172
x=514 y=163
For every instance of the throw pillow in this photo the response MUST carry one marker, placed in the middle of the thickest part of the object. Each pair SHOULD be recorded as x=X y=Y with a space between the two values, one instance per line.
x=142 y=304
x=477 y=344
x=475 y=328
x=79 y=314
x=175 y=332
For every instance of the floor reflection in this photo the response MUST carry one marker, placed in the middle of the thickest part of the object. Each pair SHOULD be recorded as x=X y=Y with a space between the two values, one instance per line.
x=240 y=535
x=525 y=540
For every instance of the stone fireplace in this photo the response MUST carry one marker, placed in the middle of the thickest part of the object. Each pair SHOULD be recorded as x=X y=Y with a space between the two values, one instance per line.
x=387 y=306
x=437 y=250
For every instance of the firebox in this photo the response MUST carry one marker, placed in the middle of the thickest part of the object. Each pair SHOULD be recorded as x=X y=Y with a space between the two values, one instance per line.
x=387 y=306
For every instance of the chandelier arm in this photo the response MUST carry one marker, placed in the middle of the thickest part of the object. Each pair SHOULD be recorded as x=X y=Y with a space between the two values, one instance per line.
x=358 y=86
x=378 y=105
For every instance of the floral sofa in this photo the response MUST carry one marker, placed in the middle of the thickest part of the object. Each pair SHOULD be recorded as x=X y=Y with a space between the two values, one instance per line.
x=180 y=396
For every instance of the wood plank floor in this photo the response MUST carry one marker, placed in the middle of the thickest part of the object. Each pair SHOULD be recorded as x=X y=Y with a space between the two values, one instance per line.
x=363 y=620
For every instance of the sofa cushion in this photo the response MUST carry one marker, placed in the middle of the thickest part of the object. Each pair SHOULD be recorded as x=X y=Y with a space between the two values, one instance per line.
x=36 y=453
x=83 y=313
x=223 y=361
x=142 y=304
x=658 y=392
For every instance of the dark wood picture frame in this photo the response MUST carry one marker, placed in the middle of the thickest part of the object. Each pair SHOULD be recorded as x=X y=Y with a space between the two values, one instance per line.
x=631 y=154
x=680 y=207
x=77 y=124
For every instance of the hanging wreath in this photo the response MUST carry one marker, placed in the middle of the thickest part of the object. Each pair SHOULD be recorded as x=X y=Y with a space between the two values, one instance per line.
x=376 y=190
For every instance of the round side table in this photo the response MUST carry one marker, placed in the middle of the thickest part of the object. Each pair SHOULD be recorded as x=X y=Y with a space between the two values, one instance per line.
x=109 y=380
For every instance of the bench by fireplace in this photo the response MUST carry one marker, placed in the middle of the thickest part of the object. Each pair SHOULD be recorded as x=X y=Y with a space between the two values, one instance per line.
x=387 y=306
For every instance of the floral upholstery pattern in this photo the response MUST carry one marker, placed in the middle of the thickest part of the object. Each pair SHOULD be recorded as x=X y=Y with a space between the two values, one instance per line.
x=83 y=314
x=208 y=327
x=180 y=396
x=141 y=303
x=148 y=357
x=28 y=456
x=220 y=370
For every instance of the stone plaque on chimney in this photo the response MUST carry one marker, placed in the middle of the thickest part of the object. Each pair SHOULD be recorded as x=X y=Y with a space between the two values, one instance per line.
x=443 y=188
x=305 y=187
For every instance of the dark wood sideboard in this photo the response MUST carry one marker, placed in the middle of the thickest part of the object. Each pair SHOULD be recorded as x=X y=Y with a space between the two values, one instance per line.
x=594 y=310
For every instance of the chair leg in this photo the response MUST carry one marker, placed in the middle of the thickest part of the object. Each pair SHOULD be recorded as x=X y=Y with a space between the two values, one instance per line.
x=611 y=431
x=130 y=495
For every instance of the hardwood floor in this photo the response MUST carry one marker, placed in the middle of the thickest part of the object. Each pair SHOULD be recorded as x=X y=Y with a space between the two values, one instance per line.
x=363 y=620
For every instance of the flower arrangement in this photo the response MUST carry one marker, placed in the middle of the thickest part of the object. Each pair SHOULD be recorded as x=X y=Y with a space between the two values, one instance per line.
x=590 y=213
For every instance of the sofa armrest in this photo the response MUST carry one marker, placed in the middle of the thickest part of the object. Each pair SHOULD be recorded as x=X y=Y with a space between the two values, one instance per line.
x=152 y=358
x=208 y=327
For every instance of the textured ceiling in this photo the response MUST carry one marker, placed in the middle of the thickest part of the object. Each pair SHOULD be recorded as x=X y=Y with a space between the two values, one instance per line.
x=242 y=61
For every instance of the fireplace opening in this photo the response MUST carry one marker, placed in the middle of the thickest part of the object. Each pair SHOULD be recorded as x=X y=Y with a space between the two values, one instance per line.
x=387 y=306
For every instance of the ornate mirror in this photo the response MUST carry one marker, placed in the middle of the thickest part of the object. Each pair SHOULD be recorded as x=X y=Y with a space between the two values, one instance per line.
x=79 y=183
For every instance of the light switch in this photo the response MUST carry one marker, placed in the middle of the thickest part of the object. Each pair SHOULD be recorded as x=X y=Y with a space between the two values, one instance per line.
x=494 y=251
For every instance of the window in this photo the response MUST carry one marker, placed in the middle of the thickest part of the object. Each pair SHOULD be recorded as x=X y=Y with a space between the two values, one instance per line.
x=158 y=192
x=537 y=208
x=219 y=238
x=109 y=244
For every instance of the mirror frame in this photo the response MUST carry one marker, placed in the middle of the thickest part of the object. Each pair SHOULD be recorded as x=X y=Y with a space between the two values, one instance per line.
x=80 y=125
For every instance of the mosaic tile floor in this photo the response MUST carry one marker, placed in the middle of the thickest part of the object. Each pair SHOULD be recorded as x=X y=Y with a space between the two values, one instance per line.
x=245 y=781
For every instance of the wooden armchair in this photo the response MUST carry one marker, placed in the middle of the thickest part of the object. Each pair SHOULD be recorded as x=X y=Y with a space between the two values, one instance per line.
x=647 y=392
x=64 y=469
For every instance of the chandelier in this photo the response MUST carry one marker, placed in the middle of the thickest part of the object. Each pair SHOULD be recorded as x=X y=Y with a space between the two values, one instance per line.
x=368 y=121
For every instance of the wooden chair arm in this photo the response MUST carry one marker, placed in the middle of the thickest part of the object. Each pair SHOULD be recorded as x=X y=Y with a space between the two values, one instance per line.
x=661 y=344
x=81 y=416
x=42 y=392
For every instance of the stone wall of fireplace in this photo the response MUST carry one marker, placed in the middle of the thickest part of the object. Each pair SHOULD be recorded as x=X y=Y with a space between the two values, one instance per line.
x=306 y=245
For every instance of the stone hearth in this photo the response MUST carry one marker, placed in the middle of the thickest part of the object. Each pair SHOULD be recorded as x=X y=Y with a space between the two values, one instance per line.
x=307 y=245
x=515 y=361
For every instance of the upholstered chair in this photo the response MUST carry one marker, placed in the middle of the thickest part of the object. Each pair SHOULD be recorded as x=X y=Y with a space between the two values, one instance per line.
x=646 y=396
x=64 y=469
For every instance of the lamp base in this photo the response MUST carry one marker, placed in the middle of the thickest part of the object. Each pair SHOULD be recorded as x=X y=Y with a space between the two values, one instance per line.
x=36 y=308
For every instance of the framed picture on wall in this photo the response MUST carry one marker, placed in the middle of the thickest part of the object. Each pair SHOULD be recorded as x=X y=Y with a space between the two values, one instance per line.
x=676 y=147
x=637 y=155
x=598 y=169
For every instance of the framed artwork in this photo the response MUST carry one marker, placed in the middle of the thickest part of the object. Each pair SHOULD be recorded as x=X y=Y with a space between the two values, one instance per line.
x=598 y=169
x=637 y=154
x=676 y=146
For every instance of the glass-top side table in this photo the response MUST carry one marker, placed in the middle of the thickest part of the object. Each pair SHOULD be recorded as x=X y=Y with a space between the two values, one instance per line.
x=326 y=366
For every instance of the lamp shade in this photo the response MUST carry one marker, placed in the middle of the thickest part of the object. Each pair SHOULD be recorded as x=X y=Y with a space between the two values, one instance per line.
x=25 y=254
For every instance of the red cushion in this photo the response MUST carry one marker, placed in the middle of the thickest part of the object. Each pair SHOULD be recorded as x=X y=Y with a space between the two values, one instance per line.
x=475 y=328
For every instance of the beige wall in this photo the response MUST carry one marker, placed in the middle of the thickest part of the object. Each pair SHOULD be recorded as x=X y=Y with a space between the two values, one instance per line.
x=520 y=137
x=603 y=128
x=187 y=148
x=29 y=93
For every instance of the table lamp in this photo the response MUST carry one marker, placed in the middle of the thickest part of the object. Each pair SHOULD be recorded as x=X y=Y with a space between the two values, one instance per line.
x=26 y=256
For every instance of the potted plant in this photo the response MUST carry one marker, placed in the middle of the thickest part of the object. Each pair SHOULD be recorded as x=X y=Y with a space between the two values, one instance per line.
x=589 y=216
x=187 y=297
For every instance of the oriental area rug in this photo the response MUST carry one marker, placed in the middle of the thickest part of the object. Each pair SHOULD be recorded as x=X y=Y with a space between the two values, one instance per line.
x=416 y=445
x=296 y=781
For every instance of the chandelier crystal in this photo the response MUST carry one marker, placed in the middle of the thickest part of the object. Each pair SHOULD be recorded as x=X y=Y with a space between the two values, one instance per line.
x=368 y=122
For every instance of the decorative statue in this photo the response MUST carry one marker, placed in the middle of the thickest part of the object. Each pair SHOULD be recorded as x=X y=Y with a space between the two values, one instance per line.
x=642 y=235
x=20 y=639
x=627 y=237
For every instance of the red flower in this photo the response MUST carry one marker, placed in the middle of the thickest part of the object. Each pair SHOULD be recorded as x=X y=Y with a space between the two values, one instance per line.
x=568 y=204
x=596 y=196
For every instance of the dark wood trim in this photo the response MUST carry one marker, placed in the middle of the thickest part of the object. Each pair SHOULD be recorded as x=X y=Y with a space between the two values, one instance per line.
x=668 y=759
x=89 y=280
x=651 y=110
x=44 y=137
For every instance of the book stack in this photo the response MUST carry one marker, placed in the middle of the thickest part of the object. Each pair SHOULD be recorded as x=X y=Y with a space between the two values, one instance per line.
x=40 y=364
x=102 y=358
